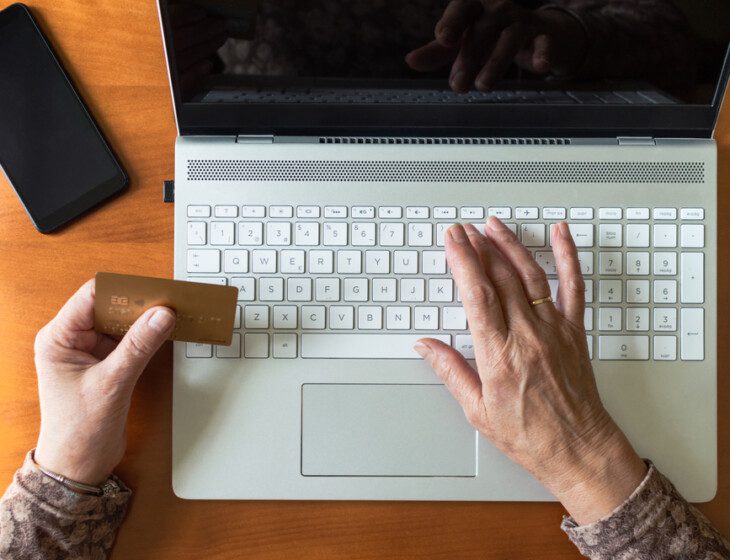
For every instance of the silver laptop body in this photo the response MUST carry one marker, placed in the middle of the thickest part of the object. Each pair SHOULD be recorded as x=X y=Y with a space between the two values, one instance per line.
x=321 y=395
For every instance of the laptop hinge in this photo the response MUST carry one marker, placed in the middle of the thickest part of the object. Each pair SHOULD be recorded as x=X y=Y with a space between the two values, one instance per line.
x=636 y=141
x=255 y=139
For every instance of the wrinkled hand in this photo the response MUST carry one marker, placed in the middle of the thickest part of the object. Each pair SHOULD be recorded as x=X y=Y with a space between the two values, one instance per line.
x=481 y=38
x=533 y=394
x=85 y=383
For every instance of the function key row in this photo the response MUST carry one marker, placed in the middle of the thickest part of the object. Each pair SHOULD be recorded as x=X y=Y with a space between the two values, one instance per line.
x=442 y=212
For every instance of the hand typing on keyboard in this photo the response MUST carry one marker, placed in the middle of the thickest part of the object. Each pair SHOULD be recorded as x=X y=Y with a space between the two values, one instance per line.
x=533 y=393
x=481 y=38
x=85 y=384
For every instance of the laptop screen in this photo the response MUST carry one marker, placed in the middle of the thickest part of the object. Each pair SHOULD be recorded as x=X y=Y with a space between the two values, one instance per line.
x=318 y=55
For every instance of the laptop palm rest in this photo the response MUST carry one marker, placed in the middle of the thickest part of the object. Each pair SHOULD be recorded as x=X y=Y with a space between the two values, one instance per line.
x=385 y=430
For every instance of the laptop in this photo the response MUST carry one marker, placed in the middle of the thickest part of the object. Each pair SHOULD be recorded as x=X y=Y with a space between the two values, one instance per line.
x=316 y=170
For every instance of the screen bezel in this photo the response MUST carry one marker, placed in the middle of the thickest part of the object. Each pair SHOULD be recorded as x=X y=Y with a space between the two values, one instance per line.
x=662 y=121
x=95 y=194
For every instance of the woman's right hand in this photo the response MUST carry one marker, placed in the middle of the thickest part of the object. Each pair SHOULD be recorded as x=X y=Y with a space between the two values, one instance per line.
x=533 y=394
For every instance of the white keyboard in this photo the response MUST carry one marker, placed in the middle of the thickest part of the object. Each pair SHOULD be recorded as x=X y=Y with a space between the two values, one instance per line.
x=367 y=282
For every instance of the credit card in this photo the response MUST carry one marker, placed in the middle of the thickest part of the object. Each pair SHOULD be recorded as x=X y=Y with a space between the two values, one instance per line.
x=205 y=312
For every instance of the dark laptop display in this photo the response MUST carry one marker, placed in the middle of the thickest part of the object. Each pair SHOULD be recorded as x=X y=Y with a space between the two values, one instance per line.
x=293 y=65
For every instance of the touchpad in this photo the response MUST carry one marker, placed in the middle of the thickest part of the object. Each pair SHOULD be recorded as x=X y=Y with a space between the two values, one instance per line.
x=385 y=430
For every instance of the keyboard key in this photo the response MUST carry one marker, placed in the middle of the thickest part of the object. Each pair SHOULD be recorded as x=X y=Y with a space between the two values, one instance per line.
x=335 y=211
x=263 y=260
x=299 y=289
x=256 y=316
x=588 y=319
x=546 y=261
x=464 y=344
x=589 y=342
x=665 y=264
x=637 y=213
x=237 y=318
x=278 y=233
x=501 y=212
x=253 y=211
x=405 y=262
x=391 y=234
x=321 y=262
x=453 y=319
x=637 y=319
x=693 y=277
x=250 y=233
x=665 y=291
x=609 y=318
x=581 y=213
x=308 y=212
x=417 y=212
x=692 y=235
x=215 y=280
x=665 y=213
x=221 y=233
x=356 y=289
x=433 y=262
x=610 y=235
x=246 y=288
x=232 y=351
x=609 y=291
x=235 y=260
x=582 y=234
x=610 y=263
x=589 y=291
x=610 y=213
x=197 y=233
x=364 y=346
x=623 y=347
x=271 y=289
x=313 y=316
x=327 y=289
x=384 y=289
x=363 y=212
x=198 y=350
x=692 y=213
x=692 y=334
x=335 y=233
x=285 y=316
x=226 y=211
x=390 y=212
x=342 y=317
x=665 y=348
x=398 y=318
x=198 y=211
x=368 y=318
x=553 y=213
x=665 y=235
x=204 y=260
x=637 y=235
x=284 y=345
x=533 y=235
x=637 y=264
x=363 y=234
x=472 y=213
x=377 y=262
x=441 y=290
x=413 y=289
x=426 y=318
x=665 y=319
x=444 y=212
x=349 y=262
x=527 y=213
x=292 y=261
x=256 y=345
x=441 y=233
x=306 y=234
x=281 y=212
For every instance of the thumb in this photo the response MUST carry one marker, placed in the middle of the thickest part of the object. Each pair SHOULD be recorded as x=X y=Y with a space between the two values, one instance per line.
x=141 y=342
x=459 y=377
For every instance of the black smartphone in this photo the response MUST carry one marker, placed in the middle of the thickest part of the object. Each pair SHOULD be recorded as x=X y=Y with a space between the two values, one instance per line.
x=51 y=150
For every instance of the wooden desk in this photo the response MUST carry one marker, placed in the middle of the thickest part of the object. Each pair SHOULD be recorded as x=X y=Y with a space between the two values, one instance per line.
x=114 y=52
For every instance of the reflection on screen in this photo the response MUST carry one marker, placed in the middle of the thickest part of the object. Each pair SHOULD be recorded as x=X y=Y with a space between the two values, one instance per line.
x=564 y=51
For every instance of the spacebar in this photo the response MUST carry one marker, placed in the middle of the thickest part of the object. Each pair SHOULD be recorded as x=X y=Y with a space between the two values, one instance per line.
x=364 y=346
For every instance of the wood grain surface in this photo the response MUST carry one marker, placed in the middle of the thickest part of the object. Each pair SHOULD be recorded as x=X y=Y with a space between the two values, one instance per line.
x=113 y=51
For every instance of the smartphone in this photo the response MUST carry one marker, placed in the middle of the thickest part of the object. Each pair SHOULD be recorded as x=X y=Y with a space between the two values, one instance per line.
x=51 y=150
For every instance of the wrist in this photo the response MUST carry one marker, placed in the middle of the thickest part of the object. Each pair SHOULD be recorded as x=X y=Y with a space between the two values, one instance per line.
x=600 y=476
x=70 y=465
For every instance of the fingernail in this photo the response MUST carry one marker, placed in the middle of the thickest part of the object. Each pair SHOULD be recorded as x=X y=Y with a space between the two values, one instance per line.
x=422 y=350
x=162 y=320
x=457 y=233
x=456 y=80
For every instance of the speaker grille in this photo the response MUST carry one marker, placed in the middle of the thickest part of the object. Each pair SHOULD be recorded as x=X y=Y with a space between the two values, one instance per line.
x=445 y=140
x=446 y=171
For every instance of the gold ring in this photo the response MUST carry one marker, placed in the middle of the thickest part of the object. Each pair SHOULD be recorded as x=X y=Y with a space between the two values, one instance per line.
x=548 y=299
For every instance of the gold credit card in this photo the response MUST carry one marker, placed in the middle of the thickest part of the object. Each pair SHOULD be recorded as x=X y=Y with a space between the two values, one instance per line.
x=205 y=313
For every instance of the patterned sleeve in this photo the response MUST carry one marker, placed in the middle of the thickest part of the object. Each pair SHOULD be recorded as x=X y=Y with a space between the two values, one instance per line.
x=40 y=518
x=654 y=523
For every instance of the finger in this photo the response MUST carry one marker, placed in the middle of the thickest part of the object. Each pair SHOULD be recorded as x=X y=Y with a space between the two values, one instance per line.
x=457 y=17
x=502 y=275
x=571 y=287
x=140 y=343
x=481 y=302
x=533 y=278
x=478 y=40
x=542 y=45
x=76 y=316
x=430 y=57
x=508 y=45
x=459 y=377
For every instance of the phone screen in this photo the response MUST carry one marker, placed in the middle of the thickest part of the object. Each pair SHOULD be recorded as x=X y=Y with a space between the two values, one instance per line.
x=50 y=148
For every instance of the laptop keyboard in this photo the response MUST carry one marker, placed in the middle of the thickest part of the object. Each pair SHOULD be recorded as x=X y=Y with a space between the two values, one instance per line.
x=367 y=282
x=556 y=97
